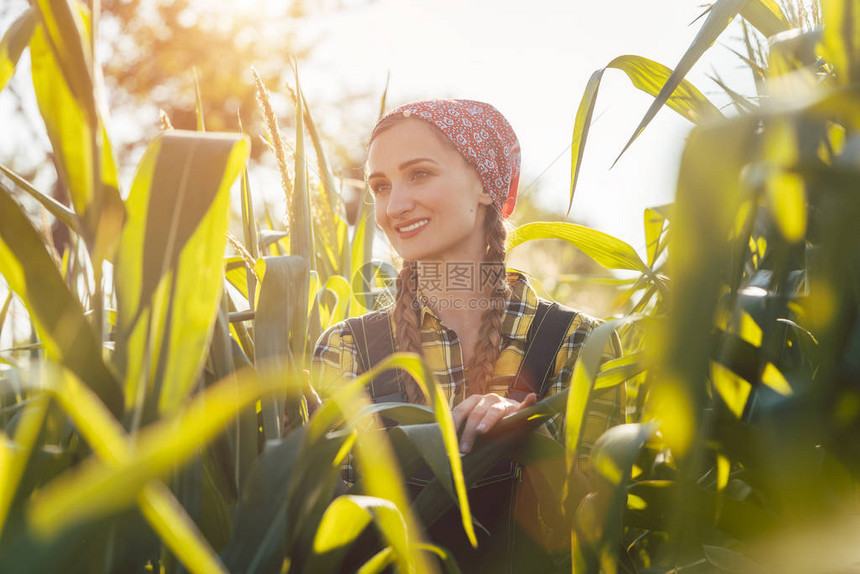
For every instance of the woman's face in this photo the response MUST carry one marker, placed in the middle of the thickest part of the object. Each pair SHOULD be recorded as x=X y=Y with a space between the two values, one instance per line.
x=429 y=201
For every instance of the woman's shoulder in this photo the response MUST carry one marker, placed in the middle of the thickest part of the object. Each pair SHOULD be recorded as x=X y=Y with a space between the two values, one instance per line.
x=341 y=333
x=584 y=320
x=582 y=324
x=580 y=318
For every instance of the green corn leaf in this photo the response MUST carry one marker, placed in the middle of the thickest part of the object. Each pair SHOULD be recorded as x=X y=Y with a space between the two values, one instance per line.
x=57 y=315
x=259 y=532
x=16 y=454
x=236 y=273
x=249 y=221
x=766 y=16
x=315 y=479
x=786 y=195
x=70 y=127
x=611 y=462
x=785 y=189
x=250 y=230
x=281 y=280
x=13 y=43
x=100 y=488
x=157 y=504
x=198 y=103
x=301 y=228
x=648 y=76
x=384 y=99
x=179 y=533
x=841 y=40
x=503 y=440
x=347 y=516
x=169 y=263
x=733 y=389
x=332 y=220
x=583 y=382
x=402 y=413
x=362 y=238
x=616 y=451
x=378 y=562
x=581 y=125
x=67 y=34
x=270 y=240
x=616 y=371
x=722 y=12
x=544 y=456
x=377 y=465
x=426 y=441
x=773 y=378
x=606 y=250
x=4 y=310
x=447 y=558
x=741 y=103
x=315 y=310
x=54 y=207
x=346 y=300
x=655 y=223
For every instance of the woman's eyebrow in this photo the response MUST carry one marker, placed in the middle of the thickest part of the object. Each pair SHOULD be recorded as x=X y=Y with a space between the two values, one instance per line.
x=404 y=165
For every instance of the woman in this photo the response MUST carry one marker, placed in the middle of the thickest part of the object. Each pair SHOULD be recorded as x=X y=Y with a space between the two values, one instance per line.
x=444 y=176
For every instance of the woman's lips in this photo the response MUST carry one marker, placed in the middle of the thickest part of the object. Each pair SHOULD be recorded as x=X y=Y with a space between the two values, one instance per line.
x=411 y=228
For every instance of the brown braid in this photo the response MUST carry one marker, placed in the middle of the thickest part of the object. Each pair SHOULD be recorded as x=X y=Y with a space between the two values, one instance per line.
x=487 y=349
x=406 y=321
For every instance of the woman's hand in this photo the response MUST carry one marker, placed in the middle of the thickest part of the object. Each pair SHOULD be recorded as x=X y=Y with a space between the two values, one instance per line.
x=482 y=412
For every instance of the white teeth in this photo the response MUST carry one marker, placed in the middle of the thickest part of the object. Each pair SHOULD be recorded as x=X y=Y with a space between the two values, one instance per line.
x=415 y=225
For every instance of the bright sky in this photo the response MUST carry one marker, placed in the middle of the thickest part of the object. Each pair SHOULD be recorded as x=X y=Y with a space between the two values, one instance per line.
x=532 y=61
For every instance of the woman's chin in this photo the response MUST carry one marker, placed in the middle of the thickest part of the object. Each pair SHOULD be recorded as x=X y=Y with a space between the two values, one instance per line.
x=414 y=254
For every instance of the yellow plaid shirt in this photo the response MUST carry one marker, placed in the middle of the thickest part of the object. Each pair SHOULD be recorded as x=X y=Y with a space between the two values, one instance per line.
x=336 y=360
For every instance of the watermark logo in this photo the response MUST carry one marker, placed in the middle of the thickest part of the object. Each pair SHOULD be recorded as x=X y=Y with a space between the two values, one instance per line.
x=375 y=284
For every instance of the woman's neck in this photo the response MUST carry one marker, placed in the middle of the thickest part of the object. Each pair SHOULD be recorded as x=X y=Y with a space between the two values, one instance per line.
x=458 y=292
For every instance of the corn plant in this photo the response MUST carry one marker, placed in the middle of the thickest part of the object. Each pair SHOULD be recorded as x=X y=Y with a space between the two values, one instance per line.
x=750 y=377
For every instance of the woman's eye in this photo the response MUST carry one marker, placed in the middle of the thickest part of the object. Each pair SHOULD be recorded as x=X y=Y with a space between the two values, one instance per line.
x=378 y=188
x=420 y=173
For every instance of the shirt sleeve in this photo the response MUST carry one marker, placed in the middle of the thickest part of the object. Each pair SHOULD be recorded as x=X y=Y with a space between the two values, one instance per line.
x=335 y=359
x=606 y=407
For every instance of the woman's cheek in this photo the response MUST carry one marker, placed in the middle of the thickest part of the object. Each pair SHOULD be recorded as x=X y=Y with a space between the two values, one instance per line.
x=379 y=205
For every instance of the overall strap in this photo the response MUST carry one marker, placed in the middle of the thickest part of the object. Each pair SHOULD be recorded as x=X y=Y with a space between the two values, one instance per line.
x=374 y=341
x=545 y=337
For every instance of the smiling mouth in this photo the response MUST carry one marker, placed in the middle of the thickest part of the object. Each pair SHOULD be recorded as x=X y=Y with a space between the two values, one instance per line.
x=413 y=226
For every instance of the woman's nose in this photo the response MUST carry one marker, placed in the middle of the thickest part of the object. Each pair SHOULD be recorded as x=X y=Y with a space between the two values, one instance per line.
x=400 y=201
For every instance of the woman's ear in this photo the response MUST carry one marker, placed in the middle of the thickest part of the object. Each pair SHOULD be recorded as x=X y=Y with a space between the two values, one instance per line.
x=485 y=198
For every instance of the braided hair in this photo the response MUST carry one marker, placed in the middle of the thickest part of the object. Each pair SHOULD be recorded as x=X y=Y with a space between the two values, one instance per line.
x=480 y=368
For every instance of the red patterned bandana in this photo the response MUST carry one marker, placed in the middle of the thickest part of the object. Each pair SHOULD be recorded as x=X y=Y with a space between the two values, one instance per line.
x=483 y=137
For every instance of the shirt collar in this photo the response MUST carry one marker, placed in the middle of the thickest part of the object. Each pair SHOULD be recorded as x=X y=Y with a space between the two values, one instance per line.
x=519 y=311
x=521 y=308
